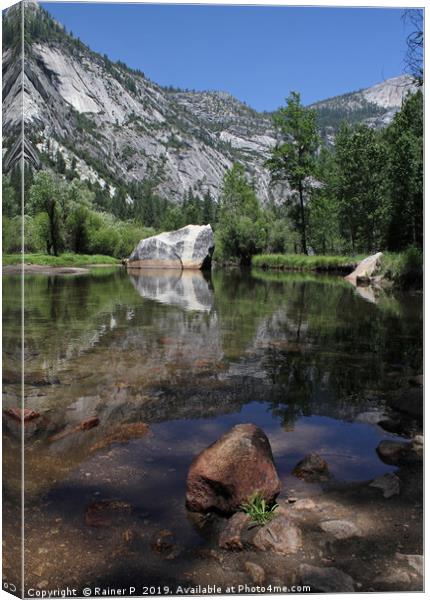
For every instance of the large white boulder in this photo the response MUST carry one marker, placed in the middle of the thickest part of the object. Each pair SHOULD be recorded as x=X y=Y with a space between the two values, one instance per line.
x=366 y=268
x=188 y=248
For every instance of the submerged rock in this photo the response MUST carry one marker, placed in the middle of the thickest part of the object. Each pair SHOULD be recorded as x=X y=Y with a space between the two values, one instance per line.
x=230 y=538
x=21 y=414
x=340 y=529
x=190 y=247
x=389 y=483
x=104 y=513
x=280 y=535
x=312 y=468
x=326 y=579
x=229 y=471
x=88 y=423
x=121 y=434
x=401 y=453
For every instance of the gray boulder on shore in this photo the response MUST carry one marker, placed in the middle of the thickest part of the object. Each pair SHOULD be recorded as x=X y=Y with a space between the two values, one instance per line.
x=190 y=247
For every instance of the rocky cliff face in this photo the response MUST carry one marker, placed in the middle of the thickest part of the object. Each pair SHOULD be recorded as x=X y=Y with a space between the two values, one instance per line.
x=114 y=124
x=374 y=106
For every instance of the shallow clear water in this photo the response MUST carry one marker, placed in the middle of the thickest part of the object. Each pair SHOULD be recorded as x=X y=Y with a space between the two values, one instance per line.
x=191 y=355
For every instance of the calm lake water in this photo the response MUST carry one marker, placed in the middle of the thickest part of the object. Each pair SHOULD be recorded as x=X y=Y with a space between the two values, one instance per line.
x=190 y=355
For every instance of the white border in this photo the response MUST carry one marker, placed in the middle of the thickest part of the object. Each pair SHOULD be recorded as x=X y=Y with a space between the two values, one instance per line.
x=334 y=3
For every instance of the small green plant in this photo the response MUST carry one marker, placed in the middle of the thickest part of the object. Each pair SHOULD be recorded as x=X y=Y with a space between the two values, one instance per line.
x=257 y=508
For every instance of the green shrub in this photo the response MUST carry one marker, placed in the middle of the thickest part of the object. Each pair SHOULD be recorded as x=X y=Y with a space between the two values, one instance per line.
x=410 y=269
x=404 y=269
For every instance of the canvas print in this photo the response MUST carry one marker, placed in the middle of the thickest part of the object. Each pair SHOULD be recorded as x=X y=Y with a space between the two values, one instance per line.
x=212 y=299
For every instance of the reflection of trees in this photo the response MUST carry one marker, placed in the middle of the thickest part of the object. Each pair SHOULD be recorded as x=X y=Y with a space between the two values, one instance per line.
x=327 y=350
x=318 y=346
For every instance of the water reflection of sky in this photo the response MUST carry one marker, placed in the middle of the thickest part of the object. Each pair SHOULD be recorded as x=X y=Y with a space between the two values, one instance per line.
x=151 y=472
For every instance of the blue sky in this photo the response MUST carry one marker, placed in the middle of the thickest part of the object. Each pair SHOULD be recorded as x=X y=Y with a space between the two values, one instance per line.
x=258 y=54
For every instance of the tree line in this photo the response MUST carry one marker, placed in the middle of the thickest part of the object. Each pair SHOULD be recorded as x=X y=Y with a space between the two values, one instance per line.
x=362 y=195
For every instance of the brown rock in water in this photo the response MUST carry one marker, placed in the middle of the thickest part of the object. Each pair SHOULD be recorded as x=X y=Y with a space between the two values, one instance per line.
x=103 y=512
x=312 y=468
x=122 y=433
x=279 y=535
x=229 y=471
x=89 y=423
x=21 y=414
x=230 y=538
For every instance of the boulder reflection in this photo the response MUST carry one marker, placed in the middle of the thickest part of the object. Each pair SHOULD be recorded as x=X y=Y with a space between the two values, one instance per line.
x=191 y=290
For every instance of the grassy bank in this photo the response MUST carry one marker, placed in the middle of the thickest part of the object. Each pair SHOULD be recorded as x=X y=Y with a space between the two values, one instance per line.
x=301 y=262
x=404 y=269
x=64 y=260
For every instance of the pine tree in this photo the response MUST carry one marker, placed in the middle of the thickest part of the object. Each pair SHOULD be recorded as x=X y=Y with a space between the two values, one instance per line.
x=293 y=158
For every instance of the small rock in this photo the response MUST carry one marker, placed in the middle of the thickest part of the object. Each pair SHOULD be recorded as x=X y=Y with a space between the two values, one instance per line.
x=417 y=446
x=89 y=423
x=393 y=577
x=257 y=573
x=389 y=483
x=416 y=561
x=21 y=414
x=392 y=452
x=127 y=536
x=341 y=530
x=304 y=504
x=312 y=468
x=230 y=538
x=38 y=571
x=279 y=535
x=370 y=417
x=326 y=579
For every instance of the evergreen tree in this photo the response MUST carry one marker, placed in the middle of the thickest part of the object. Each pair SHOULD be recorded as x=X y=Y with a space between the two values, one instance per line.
x=404 y=139
x=293 y=158
x=358 y=184
x=242 y=228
